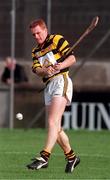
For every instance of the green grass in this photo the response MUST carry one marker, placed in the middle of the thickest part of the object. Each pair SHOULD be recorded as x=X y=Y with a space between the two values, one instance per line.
x=17 y=147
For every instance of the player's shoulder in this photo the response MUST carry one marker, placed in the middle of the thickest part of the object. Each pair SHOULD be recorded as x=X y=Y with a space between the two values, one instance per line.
x=54 y=36
x=57 y=38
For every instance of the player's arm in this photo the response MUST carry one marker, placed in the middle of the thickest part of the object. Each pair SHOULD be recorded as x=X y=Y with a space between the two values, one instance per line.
x=69 y=61
x=40 y=71
x=43 y=71
x=62 y=47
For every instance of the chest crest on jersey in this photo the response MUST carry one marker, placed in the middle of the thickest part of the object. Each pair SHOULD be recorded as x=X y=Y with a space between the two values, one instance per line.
x=43 y=51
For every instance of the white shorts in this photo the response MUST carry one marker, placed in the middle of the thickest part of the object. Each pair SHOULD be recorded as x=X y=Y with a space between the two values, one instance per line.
x=60 y=85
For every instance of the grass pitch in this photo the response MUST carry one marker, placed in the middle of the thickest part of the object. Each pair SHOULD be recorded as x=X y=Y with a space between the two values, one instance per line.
x=18 y=146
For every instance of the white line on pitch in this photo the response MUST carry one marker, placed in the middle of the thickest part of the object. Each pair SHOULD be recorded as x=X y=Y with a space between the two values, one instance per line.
x=56 y=154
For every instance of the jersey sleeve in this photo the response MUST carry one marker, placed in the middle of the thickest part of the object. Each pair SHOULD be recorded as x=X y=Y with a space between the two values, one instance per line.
x=62 y=45
x=36 y=63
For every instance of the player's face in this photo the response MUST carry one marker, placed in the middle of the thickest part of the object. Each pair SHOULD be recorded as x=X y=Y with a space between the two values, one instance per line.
x=39 y=33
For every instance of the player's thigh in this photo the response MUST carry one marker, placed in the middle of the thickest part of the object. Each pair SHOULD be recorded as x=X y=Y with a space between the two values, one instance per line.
x=57 y=107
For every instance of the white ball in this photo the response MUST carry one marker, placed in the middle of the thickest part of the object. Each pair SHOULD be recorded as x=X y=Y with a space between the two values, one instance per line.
x=19 y=116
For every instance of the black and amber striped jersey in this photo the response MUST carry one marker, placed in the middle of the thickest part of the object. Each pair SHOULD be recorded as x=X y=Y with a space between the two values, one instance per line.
x=54 y=47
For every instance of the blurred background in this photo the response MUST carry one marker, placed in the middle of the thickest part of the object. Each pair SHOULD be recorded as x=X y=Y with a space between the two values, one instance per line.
x=91 y=74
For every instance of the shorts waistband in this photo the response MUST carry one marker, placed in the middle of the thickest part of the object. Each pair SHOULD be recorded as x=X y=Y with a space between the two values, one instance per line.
x=62 y=74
